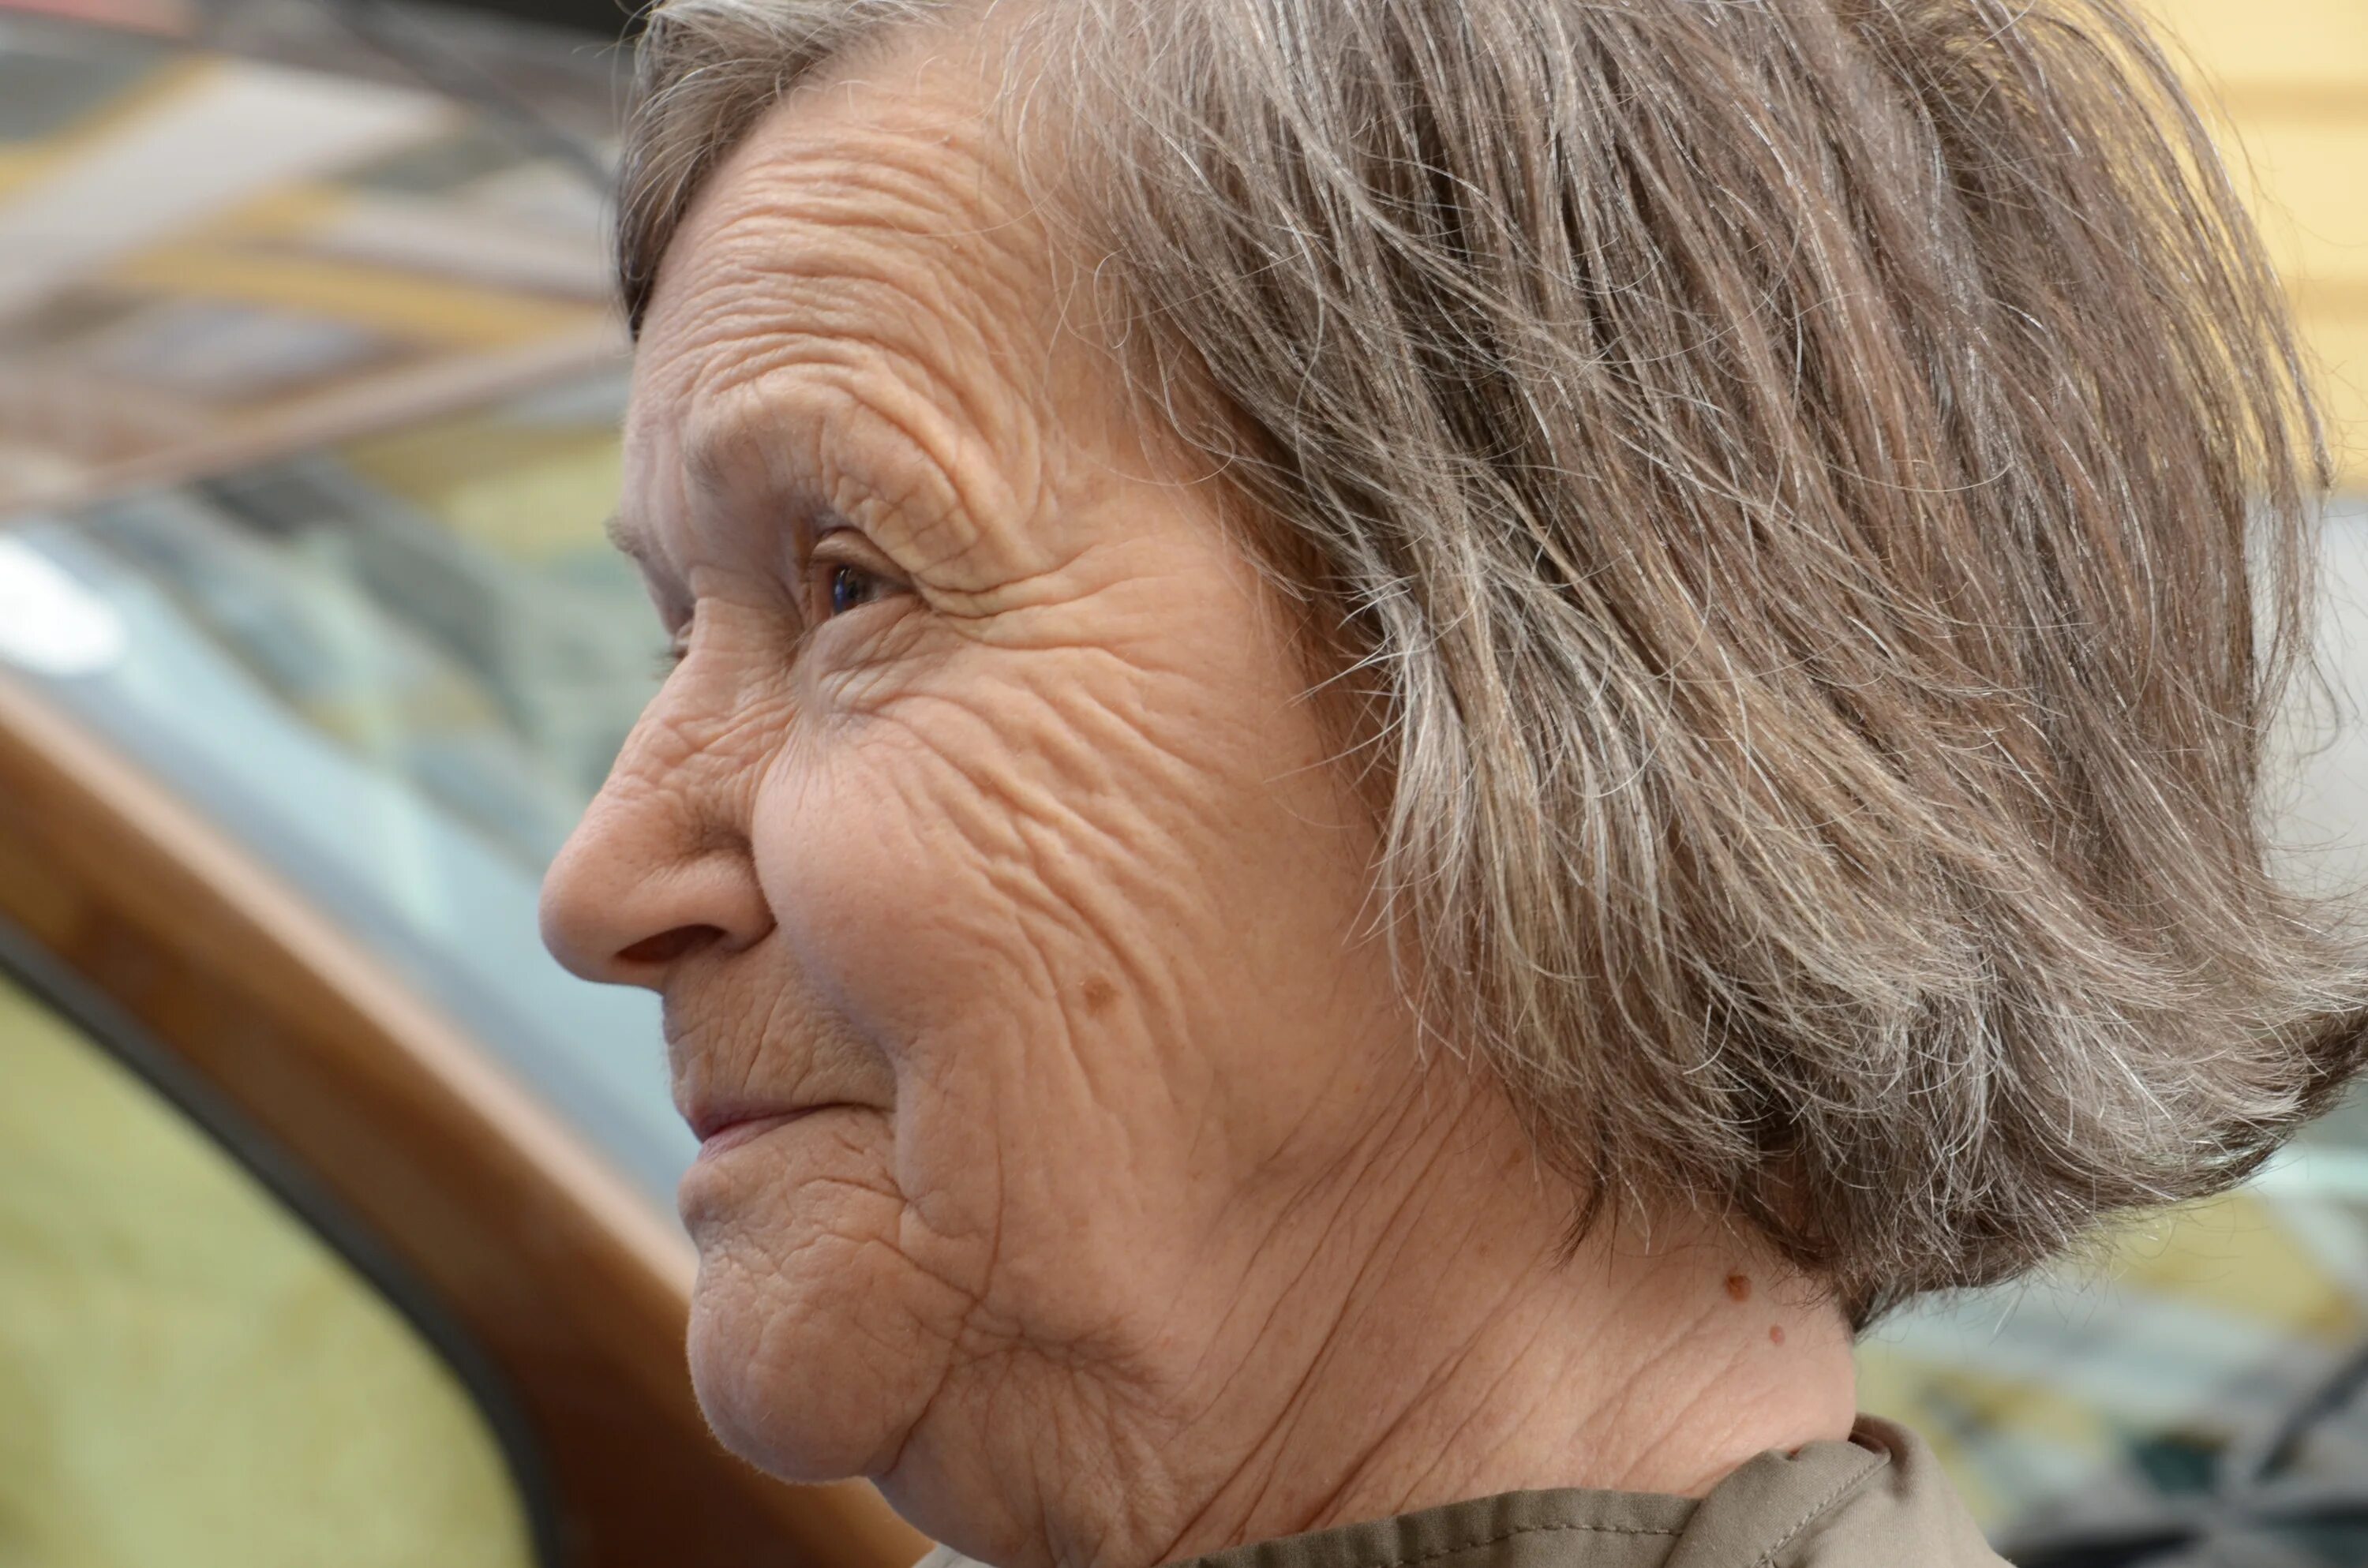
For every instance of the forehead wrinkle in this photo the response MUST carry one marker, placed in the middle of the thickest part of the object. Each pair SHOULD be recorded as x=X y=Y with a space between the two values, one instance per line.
x=874 y=315
x=878 y=259
x=871 y=252
x=884 y=340
x=828 y=431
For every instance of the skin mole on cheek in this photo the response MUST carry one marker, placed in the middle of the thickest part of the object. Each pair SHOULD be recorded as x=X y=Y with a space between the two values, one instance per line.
x=1098 y=994
x=1775 y=1334
x=1739 y=1286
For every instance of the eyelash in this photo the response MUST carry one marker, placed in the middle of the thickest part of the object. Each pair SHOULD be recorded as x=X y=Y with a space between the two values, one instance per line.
x=678 y=646
x=829 y=577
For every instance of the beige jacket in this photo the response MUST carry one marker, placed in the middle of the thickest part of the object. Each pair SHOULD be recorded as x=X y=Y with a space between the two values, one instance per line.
x=1878 y=1501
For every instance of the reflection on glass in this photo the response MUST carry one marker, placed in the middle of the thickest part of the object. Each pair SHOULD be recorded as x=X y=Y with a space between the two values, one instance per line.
x=397 y=669
x=438 y=601
x=187 y=1375
x=204 y=247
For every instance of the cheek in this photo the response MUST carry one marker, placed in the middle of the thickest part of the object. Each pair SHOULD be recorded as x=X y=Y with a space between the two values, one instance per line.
x=960 y=917
x=885 y=859
x=1094 y=902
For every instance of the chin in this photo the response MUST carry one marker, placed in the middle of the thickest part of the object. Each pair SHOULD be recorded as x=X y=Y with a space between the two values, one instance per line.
x=815 y=1342
x=779 y=1374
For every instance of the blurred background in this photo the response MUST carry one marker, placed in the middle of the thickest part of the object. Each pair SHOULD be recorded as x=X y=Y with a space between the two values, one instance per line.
x=318 y=1179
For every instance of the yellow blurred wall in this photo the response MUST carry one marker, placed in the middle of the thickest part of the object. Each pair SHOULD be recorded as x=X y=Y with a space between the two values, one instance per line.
x=2293 y=77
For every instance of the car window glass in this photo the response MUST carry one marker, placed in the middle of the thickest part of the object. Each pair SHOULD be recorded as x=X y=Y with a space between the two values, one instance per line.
x=191 y=1377
x=394 y=669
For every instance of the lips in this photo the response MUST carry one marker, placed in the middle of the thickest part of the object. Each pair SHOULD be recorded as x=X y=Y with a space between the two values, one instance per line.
x=719 y=1131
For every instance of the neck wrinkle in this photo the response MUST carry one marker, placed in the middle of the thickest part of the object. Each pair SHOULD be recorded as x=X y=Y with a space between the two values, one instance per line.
x=1624 y=1368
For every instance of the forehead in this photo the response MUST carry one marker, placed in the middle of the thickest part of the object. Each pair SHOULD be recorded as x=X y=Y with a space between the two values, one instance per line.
x=872 y=219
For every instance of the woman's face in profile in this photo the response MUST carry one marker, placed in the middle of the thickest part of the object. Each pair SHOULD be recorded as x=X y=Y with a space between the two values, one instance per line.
x=982 y=842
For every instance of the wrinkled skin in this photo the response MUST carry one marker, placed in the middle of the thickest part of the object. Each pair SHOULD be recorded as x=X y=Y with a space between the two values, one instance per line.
x=985 y=822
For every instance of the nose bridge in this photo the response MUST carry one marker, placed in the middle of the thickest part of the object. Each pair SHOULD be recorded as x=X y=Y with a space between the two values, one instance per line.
x=659 y=862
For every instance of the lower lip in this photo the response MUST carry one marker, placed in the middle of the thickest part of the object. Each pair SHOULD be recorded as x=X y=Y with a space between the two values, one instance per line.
x=739 y=1132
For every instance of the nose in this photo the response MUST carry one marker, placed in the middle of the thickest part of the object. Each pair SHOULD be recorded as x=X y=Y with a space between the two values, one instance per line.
x=654 y=873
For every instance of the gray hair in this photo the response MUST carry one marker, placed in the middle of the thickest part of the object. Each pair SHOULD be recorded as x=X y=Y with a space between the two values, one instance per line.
x=1816 y=498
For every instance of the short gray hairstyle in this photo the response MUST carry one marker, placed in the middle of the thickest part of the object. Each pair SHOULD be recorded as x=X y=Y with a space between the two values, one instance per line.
x=1815 y=497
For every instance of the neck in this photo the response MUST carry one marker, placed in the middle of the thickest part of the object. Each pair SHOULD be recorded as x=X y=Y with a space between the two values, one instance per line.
x=1416 y=1332
x=1465 y=1351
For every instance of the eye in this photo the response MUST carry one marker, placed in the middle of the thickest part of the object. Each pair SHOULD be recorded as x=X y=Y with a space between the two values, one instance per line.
x=846 y=572
x=846 y=587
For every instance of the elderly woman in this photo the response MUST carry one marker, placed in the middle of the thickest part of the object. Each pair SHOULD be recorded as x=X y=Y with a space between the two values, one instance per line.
x=1411 y=739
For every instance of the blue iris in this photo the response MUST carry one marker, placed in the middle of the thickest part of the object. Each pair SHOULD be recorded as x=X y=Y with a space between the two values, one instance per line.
x=850 y=587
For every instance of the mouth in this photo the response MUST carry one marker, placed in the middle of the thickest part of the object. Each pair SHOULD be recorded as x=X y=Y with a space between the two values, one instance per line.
x=721 y=1131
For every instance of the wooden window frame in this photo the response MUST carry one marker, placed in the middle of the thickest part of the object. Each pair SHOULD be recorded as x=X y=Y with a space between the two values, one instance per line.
x=521 y=1237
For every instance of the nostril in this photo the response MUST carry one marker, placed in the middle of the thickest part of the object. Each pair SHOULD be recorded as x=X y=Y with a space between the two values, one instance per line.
x=668 y=946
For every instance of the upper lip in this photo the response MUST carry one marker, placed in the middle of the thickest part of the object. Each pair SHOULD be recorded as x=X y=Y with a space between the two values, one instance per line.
x=712 y=1099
